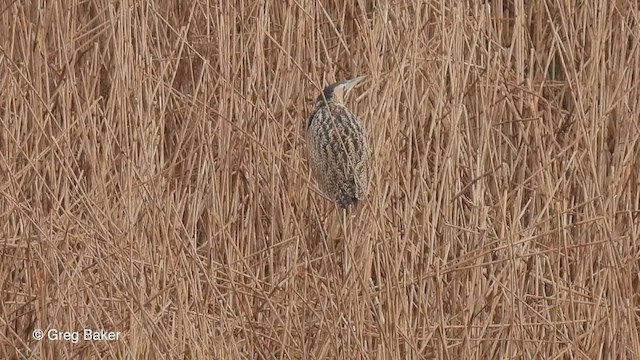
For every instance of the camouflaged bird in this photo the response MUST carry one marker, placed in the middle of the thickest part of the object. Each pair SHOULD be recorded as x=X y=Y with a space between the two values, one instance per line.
x=338 y=147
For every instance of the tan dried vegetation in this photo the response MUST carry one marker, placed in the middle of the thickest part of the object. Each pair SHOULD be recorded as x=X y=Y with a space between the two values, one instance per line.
x=153 y=179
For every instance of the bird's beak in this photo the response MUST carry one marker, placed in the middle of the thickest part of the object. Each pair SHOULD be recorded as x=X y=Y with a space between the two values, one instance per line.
x=350 y=84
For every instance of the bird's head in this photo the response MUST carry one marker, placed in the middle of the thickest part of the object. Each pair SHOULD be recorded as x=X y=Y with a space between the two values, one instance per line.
x=338 y=91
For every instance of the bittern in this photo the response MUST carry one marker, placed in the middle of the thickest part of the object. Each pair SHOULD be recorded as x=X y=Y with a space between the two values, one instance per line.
x=337 y=146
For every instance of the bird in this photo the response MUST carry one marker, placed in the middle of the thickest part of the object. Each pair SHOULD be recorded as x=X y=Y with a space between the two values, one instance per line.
x=337 y=146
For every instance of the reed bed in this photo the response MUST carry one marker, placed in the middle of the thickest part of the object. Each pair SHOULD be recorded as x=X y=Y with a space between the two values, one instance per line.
x=154 y=181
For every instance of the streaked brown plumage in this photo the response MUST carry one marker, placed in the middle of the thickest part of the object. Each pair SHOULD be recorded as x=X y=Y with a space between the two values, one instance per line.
x=338 y=147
